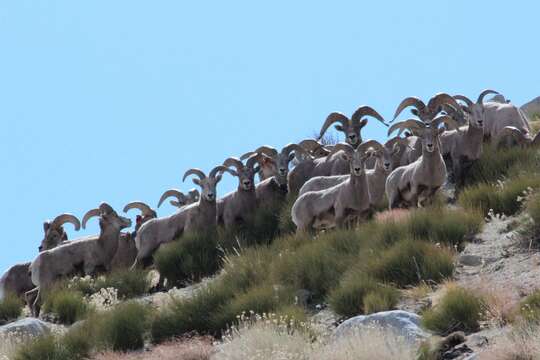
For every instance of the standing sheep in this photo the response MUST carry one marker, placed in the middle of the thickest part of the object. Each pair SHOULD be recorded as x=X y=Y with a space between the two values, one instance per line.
x=194 y=217
x=90 y=254
x=417 y=182
x=337 y=204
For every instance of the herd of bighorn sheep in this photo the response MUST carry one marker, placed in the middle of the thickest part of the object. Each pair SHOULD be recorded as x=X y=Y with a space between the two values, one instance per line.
x=333 y=186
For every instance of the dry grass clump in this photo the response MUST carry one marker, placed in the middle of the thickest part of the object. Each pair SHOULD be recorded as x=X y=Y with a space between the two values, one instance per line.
x=499 y=303
x=522 y=343
x=10 y=308
x=198 y=348
x=66 y=305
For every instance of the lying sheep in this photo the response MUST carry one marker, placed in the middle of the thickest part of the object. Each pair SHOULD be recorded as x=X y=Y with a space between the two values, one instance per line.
x=17 y=278
x=416 y=183
x=181 y=199
x=336 y=204
x=239 y=206
x=500 y=115
x=194 y=217
x=463 y=146
x=88 y=255
x=351 y=127
x=516 y=137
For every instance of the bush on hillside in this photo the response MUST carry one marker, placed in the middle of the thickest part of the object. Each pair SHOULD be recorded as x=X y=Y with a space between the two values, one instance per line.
x=410 y=262
x=458 y=310
x=10 y=308
x=66 y=305
x=190 y=258
x=124 y=327
x=502 y=197
x=247 y=269
x=359 y=294
x=529 y=308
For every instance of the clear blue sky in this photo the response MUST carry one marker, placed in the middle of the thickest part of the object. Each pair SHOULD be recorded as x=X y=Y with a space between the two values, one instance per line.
x=114 y=100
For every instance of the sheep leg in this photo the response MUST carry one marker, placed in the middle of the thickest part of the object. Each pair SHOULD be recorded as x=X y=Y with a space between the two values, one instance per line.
x=36 y=307
x=30 y=297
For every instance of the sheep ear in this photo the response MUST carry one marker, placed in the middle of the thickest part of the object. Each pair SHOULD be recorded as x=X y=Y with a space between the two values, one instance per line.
x=363 y=123
x=414 y=112
x=46 y=226
x=344 y=156
x=339 y=128
x=196 y=181
x=395 y=149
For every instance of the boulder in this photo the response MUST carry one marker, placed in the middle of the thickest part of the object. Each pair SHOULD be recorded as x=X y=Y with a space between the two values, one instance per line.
x=403 y=323
x=27 y=326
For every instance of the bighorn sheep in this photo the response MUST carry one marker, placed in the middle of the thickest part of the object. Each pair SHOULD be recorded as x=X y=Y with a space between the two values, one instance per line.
x=17 y=279
x=194 y=217
x=315 y=148
x=516 y=135
x=240 y=205
x=127 y=251
x=89 y=255
x=337 y=203
x=181 y=199
x=416 y=183
x=500 y=115
x=463 y=146
x=351 y=127
x=426 y=112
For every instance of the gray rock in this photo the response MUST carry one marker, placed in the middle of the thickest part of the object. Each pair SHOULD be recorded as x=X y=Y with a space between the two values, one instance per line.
x=26 y=326
x=403 y=323
x=470 y=260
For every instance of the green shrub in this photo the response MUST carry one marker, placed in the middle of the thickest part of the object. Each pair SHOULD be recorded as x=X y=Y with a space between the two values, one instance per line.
x=129 y=283
x=383 y=298
x=410 y=262
x=123 y=328
x=67 y=305
x=494 y=164
x=286 y=225
x=194 y=314
x=502 y=199
x=10 y=308
x=348 y=298
x=314 y=267
x=247 y=268
x=50 y=347
x=459 y=310
x=190 y=258
x=529 y=307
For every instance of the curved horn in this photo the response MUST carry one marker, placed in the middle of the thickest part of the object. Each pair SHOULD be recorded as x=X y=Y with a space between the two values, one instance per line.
x=410 y=101
x=197 y=172
x=297 y=148
x=66 y=218
x=412 y=124
x=90 y=214
x=248 y=154
x=267 y=150
x=370 y=144
x=484 y=93
x=172 y=193
x=465 y=99
x=333 y=118
x=144 y=208
x=220 y=168
x=439 y=99
x=512 y=131
x=341 y=147
x=233 y=161
x=252 y=160
x=451 y=123
x=310 y=144
x=369 y=111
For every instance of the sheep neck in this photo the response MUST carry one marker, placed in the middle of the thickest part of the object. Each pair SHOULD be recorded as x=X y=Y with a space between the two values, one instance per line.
x=108 y=240
x=359 y=185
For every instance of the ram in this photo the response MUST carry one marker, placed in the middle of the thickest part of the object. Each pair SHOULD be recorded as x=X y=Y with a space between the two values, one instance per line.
x=88 y=255
x=426 y=112
x=335 y=205
x=181 y=199
x=511 y=135
x=352 y=128
x=17 y=278
x=500 y=115
x=416 y=183
x=463 y=146
x=239 y=206
x=198 y=216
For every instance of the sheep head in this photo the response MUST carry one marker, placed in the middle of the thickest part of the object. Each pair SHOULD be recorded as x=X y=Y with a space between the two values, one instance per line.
x=181 y=198
x=351 y=127
x=245 y=173
x=147 y=212
x=426 y=113
x=475 y=111
x=54 y=231
x=315 y=148
x=108 y=218
x=208 y=184
x=357 y=157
